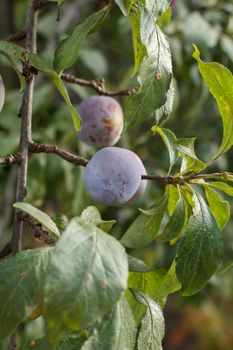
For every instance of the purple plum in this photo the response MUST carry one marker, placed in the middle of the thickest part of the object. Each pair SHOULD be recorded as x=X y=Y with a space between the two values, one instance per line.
x=2 y=94
x=102 y=121
x=113 y=177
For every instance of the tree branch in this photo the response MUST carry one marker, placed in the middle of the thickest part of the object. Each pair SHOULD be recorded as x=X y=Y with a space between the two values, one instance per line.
x=69 y=157
x=25 y=137
x=98 y=85
x=17 y=36
x=10 y=159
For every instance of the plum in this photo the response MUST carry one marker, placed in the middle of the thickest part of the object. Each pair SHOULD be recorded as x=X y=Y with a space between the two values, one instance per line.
x=2 y=93
x=102 y=121
x=113 y=177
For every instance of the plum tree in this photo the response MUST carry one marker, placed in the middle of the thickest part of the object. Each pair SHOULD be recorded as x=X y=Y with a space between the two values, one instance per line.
x=113 y=176
x=102 y=121
x=2 y=93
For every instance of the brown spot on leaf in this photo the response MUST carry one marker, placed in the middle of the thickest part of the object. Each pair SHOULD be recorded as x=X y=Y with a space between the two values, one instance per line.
x=103 y=284
x=33 y=342
x=23 y=273
x=158 y=76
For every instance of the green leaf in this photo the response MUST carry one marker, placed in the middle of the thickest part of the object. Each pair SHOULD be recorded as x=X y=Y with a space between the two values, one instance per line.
x=157 y=284
x=219 y=208
x=220 y=83
x=138 y=265
x=67 y=51
x=139 y=49
x=42 y=66
x=21 y=282
x=175 y=223
x=163 y=112
x=155 y=73
x=169 y=139
x=39 y=215
x=124 y=5
x=116 y=332
x=200 y=250
x=87 y=276
x=190 y=161
x=14 y=54
x=146 y=226
x=72 y=343
x=92 y=215
x=221 y=186
x=152 y=325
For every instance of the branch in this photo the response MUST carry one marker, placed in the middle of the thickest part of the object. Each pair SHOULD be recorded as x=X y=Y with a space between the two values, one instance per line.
x=25 y=135
x=17 y=36
x=39 y=232
x=98 y=85
x=180 y=180
x=69 y=157
x=10 y=159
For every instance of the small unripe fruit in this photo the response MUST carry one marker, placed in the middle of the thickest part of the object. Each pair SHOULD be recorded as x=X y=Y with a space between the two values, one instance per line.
x=113 y=177
x=102 y=121
x=2 y=94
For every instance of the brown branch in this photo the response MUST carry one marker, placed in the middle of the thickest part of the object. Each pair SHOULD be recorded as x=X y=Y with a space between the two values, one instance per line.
x=39 y=232
x=69 y=157
x=98 y=85
x=25 y=136
x=5 y=251
x=17 y=36
x=10 y=159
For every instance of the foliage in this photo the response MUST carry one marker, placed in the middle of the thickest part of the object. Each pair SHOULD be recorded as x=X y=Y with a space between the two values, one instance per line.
x=90 y=289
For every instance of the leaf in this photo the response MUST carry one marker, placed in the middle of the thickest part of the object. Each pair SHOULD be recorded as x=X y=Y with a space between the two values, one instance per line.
x=116 y=332
x=190 y=161
x=87 y=276
x=124 y=5
x=21 y=281
x=152 y=325
x=163 y=112
x=42 y=66
x=221 y=186
x=156 y=284
x=92 y=215
x=219 y=208
x=146 y=226
x=157 y=7
x=14 y=53
x=138 y=265
x=39 y=215
x=139 y=49
x=67 y=51
x=71 y=343
x=200 y=250
x=169 y=139
x=220 y=83
x=175 y=223
x=155 y=73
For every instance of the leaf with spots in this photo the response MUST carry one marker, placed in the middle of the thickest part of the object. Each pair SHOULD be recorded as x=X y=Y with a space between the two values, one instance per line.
x=86 y=278
x=21 y=282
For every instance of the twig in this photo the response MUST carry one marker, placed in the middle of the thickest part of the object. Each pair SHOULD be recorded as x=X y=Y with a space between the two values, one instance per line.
x=17 y=36
x=69 y=157
x=39 y=232
x=192 y=178
x=25 y=137
x=10 y=159
x=6 y=251
x=98 y=85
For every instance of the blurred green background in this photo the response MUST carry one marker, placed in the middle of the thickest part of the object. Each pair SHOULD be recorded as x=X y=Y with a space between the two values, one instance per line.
x=204 y=321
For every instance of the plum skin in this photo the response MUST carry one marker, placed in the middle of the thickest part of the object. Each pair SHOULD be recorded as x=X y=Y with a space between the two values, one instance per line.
x=113 y=177
x=102 y=121
x=2 y=94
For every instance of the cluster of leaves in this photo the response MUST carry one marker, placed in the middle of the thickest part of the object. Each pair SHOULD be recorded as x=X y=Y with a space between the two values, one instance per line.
x=90 y=292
